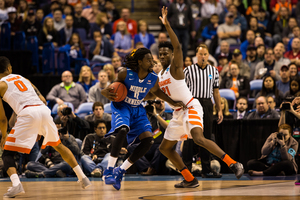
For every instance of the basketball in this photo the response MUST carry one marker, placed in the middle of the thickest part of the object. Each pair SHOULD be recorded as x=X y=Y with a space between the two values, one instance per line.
x=120 y=89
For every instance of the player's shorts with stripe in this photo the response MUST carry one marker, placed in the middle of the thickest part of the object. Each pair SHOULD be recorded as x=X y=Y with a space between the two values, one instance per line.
x=31 y=122
x=184 y=121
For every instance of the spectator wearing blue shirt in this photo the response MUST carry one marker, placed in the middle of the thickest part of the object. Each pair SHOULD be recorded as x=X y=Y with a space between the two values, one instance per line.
x=143 y=36
x=250 y=37
x=210 y=31
x=86 y=78
x=238 y=18
x=296 y=33
x=284 y=83
x=262 y=20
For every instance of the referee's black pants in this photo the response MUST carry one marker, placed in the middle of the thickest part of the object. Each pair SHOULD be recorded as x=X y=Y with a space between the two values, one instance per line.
x=189 y=146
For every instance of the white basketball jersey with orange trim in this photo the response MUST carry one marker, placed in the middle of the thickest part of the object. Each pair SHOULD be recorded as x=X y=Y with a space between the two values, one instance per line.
x=175 y=89
x=19 y=93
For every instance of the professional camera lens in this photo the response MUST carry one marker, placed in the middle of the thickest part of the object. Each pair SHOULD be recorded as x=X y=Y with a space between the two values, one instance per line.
x=66 y=111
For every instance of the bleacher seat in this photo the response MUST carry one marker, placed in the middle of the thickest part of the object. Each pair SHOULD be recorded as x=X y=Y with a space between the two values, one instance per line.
x=107 y=108
x=19 y=41
x=32 y=45
x=63 y=61
x=48 y=58
x=229 y=95
x=85 y=109
x=255 y=85
x=79 y=62
x=5 y=36
x=54 y=109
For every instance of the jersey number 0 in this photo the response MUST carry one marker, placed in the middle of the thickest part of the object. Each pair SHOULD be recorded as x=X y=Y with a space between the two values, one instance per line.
x=21 y=86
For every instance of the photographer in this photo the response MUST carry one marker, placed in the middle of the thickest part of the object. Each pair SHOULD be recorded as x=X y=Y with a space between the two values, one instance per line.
x=278 y=155
x=154 y=161
x=51 y=163
x=290 y=113
x=77 y=127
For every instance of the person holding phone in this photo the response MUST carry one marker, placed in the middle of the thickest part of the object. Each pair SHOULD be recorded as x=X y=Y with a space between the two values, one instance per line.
x=278 y=155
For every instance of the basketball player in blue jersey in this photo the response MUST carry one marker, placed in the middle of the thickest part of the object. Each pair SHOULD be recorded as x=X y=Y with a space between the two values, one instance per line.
x=185 y=123
x=129 y=118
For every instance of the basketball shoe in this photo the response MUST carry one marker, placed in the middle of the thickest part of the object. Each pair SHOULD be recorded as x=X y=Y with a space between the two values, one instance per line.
x=14 y=191
x=118 y=173
x=109 y=176
x=185 y=184
x=238 y=169
x=85 y=183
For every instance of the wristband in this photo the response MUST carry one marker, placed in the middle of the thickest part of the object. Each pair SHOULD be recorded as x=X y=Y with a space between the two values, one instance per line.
x=156 y=115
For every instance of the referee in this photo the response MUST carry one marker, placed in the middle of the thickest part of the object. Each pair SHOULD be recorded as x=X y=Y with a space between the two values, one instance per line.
x=203 y=81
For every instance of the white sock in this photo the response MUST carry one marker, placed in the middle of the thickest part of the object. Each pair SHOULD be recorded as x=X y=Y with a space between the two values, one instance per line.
x=126 y=165
x=15 y=180
x=111 y=162
x=79 y=173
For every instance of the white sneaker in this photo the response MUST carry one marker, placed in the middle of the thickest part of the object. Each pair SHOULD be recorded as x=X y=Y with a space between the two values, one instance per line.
x=14 y=191
x=85 y=183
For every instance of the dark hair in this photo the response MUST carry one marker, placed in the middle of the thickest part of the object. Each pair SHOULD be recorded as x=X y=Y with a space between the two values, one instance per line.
x=233 y=62
x=242 y=98
x=214 y=15
x=131 y=60
x=166 y=44
x=4 y=63
x=57 y=9
x=99 y=121
x=297 y=79
x=97 y=103
x=264 y=91
x=261 y=45
x=295 y=27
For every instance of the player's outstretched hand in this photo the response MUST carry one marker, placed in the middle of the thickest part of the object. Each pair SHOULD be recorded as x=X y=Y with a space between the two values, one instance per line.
x=164 y=13
x=108 y=94
x=179 y=104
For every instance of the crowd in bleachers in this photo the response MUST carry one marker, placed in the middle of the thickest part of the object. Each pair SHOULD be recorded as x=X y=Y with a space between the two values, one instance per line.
x=254 y=44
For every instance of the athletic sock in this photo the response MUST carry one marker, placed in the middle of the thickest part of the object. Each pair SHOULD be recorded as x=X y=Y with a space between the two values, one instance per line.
x=79 y=173
x=111 y=162
x=126 y=165
x=15 y=180
x=226 y=158
x=187 y=174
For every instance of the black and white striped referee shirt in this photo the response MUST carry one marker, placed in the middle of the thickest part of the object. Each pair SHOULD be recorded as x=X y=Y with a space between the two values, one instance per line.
x=201 y=82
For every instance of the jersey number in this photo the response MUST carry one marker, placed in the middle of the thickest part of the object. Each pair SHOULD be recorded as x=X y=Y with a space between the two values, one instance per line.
x=166 y=90
x=21 y=86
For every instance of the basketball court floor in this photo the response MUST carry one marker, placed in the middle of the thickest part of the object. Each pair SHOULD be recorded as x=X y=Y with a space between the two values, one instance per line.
x=161 y=188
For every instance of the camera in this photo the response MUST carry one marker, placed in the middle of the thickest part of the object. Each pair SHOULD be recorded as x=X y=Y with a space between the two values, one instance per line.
x=286 y=106
x=149 y=107
x=280 y=136
x=63 y=130
x=66 y=111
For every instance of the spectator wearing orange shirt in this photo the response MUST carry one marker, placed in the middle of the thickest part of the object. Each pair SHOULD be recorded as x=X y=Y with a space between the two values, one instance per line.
x=282 y=3
x=131 y=24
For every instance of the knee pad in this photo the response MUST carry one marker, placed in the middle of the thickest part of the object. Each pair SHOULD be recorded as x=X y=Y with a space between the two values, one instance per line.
x=8 y=159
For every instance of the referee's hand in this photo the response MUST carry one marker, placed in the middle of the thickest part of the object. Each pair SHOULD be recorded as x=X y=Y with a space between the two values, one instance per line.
x=220 y=117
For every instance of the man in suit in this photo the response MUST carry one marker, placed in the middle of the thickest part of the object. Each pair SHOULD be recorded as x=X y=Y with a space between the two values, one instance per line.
x=242 y=105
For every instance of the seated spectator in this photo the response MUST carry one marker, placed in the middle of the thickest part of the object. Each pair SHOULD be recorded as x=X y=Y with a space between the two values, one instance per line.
x=284 y=83
x=158 y=67
x=68 y=10
x=143 y=36
x=91 y=13
x=210 y=31
x=258 y=41
x=278 y=54
x=241 y=105
x=59 y=21
x=253 y=10
x=250 y=36
x=280 y=25
x=263 y=110
x=293 y=69
x=288 y=31
x=268 y=67
x=48 y=34
x=111 y=11
x=223 y=60
x=50 y=8
x=80 y=21
x=261 y=50
x=85 y=4
x=130 y=23
x=251 y=59
x=98 y=113
x=239 y=84
x=66 y=32
x=51 y=163
x=122 y=40
x=96 y=150
x=229 y=31
x=211 y=7
x=95 y=91
x=67 y=91
x=110 y=72
x=262 y=20
x=31 y=26
x=224 y=50
x=15 y=22
x=278 y=155
x=86 y=78
x=294 y=87
x=116 y=62
x=296 y=34
x=259 y=32
x=225 y=110
x=294 y=54
x=162 y=37
x=271 y=102
x=40 y=16
x=281 y=4
x=101 y=49
x=187 y=62
x=153 y=162
x=22 y=11
x=102 y=25
x=269 y=89
x=3 y=12
x=239 y=19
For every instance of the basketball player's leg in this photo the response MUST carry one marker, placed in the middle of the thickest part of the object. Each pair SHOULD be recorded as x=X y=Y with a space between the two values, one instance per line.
x=212 y=147
x=166 y=148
